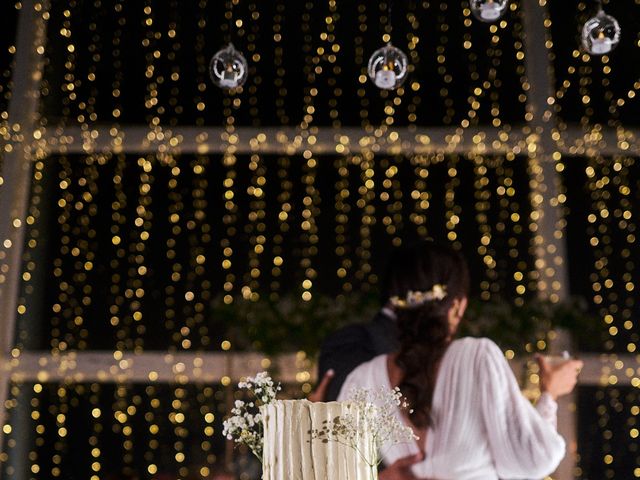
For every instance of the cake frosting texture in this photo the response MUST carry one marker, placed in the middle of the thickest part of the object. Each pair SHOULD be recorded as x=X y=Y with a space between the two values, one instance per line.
x=290 y=452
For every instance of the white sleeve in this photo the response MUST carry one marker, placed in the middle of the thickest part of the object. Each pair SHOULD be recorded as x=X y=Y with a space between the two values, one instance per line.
x=547 y=407
x=522 y=443
x=347 y=387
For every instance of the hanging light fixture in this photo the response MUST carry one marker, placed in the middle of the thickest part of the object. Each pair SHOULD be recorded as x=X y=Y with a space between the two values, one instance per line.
x=600 y=34
x=488 y=10
x=388 y=67
x=228 y=68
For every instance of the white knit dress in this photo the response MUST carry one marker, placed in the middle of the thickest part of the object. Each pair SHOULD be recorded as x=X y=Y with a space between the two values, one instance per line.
x=484 y=429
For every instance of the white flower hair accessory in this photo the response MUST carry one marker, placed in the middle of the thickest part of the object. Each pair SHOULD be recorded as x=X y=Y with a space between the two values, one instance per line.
x=417 y=298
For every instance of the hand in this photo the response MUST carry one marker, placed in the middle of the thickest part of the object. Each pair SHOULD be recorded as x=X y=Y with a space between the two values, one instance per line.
x=560 y=379
x=401 y=468
x=319 y=394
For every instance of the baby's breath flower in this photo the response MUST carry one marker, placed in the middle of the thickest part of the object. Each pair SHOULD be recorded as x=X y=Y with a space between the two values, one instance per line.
x=372 y=415
x=245 y=423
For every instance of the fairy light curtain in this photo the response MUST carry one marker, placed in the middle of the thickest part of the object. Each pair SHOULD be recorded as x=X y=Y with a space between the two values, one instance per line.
x=602 y=200
x=307 y=64
x=163 y=241
x=117 y=431
x=147 y=238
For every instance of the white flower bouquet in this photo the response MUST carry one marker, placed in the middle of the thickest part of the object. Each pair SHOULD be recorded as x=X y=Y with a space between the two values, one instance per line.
x=245 y=423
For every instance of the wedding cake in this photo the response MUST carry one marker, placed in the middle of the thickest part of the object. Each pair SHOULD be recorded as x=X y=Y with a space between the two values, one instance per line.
x=293 y=449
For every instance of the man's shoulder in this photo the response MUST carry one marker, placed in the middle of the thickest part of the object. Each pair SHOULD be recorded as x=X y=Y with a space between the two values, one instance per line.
x=354 y=333
x=351 y=346
x=379 y=325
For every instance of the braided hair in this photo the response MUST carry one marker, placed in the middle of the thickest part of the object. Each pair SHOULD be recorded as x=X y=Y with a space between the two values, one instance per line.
x=424 y=331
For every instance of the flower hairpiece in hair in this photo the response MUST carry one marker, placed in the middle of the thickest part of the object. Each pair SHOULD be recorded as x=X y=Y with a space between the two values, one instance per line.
x=415 y=299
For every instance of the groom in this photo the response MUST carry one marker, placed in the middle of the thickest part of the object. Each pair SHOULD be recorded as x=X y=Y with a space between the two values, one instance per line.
x=344 y=350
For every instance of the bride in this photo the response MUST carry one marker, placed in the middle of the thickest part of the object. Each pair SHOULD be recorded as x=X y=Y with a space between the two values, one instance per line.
x=466 y=407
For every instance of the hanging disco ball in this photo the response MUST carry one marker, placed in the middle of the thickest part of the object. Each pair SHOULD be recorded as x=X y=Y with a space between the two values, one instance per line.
x=488 y=10
x=388 y=67
x=600 y=34
x=228 y=68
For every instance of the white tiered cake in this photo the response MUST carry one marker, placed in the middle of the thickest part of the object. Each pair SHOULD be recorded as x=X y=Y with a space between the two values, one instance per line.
x=290 y=452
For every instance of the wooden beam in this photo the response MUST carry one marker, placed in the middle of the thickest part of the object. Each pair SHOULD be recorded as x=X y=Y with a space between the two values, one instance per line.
x=571 y=141
x=212 y=367
x=16 y=171
x=285 y=140
x=152 y=367
x=549 y=238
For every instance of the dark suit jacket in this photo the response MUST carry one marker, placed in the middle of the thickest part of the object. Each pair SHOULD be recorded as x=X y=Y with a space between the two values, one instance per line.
x=347 y=348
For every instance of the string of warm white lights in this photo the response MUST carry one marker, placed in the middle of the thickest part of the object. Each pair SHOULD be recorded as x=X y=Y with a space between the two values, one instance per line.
x=392 y=196
x=368 y=217
x=420 y=195
x=283 y=199
x=342 y=226
x=454 y=209
x=611 y=234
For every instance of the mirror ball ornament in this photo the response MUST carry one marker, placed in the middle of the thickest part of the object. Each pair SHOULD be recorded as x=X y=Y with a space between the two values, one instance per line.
x=388 y=67
x=600 y=34
x=228 y=68
x=488 y=10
